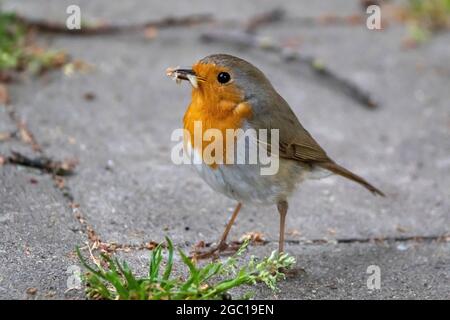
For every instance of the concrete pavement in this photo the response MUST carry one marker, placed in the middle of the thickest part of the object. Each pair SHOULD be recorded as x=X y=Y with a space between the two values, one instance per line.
x=130 y=192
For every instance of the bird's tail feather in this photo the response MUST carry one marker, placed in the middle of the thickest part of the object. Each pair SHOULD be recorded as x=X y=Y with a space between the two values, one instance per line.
x=337 y=169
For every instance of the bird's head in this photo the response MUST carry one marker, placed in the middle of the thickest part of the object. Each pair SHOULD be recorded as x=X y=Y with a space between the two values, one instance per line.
x=220 y=82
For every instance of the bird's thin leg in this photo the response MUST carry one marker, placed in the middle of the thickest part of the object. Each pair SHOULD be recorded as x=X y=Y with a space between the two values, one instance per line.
x=282 y=209
x=223 y=239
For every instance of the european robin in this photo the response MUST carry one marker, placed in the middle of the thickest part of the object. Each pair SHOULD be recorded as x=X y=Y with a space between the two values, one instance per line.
x=231 y=93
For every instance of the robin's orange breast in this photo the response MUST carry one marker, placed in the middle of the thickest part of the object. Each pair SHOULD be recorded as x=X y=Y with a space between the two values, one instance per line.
x=220 y=111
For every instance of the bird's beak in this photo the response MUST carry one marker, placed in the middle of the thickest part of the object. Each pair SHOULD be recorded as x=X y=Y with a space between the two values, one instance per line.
x=183 y=74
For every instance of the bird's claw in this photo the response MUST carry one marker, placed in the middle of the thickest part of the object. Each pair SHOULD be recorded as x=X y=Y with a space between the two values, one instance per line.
x=222 y=249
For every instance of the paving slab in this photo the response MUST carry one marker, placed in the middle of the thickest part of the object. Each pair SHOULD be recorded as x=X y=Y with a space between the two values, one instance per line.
x=407 y=270
x=38 y=236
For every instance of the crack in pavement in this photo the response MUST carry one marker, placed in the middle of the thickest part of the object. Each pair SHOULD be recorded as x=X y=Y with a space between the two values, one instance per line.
x=111 y=247
x=432 y=238
x=45 y=164
x=376 y=240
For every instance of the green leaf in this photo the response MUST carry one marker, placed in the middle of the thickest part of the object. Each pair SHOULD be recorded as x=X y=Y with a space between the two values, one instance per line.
x=133 y=284
x=169 y=264
x=155 y=263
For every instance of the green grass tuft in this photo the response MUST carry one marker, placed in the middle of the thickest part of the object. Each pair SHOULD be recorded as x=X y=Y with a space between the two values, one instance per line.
x=12 y=37
x=115 y=280
x=18 y=53
x=431 y=15
x=424 y=18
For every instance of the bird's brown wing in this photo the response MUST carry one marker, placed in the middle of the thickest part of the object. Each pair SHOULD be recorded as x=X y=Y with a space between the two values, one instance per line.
x=301 y=147
x=296 y=143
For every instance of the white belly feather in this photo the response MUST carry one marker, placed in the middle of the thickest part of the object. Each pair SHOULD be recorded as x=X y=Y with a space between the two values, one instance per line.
x=244 y=182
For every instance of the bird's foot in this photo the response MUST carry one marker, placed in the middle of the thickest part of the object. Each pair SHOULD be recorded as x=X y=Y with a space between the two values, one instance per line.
x=293 y=273
x=222 y=249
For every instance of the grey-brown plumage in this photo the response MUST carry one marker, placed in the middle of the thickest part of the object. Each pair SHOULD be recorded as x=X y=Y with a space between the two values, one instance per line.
x=273 y=112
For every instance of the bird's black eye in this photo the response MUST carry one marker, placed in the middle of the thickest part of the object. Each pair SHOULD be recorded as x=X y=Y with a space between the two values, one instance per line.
x=223 y=77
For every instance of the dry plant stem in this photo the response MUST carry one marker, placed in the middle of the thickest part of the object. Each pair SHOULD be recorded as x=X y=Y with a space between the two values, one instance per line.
x=269 y=17
x=41 y=163
x=251 y=25
x=109 y=29
x=247 y=40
